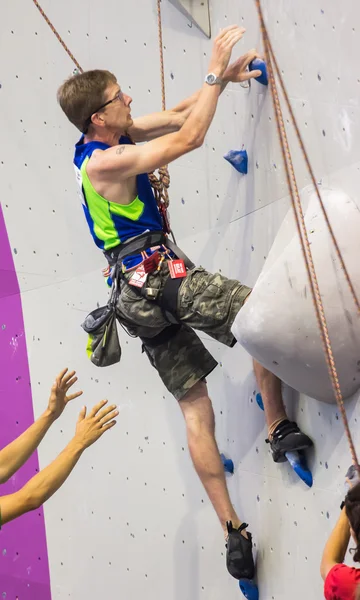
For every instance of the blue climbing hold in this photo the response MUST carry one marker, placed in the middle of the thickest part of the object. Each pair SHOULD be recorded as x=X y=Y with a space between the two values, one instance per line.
x=239 y=160
x=249 y=589
x=259 y=65
x=297 y=461
x=228 y=464
x=259 y=401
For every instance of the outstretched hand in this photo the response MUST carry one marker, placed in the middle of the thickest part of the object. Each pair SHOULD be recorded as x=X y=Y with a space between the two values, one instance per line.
x=237 y=71
x=91 y=427
x=58 y=396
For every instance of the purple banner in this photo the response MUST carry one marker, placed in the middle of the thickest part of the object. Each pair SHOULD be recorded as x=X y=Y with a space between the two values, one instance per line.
x=24 y=565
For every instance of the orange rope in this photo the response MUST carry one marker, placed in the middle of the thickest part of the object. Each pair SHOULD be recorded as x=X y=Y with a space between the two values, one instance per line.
x=161 y=184
x=161 y=55
x=57 y=35
x=300 y=222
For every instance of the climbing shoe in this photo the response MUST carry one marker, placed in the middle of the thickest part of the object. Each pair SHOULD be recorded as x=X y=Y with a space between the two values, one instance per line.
x=239 y=556
x=287 y=437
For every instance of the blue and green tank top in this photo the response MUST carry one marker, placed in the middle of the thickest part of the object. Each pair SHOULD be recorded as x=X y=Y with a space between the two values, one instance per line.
x=111 y=223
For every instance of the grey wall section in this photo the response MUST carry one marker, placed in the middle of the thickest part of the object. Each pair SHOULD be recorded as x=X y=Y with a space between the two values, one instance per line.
x=282 y=301
x=133 y=519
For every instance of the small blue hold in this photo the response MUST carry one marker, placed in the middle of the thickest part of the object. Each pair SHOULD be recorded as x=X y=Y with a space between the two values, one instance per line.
x=259 y=401
x=238 y=159
x=249 y=589
x=259 y=65
x=228 y=464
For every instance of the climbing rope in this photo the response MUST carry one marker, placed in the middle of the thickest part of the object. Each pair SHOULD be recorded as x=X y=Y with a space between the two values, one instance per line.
x=161 y=48
x=161 y=183
x=57 y=35
x=300 y=223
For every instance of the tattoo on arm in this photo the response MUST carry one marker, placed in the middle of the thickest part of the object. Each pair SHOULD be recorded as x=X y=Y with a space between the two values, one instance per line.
x=120 y=149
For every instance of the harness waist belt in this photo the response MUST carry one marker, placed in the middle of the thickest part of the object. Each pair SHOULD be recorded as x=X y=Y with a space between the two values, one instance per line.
x=143 y=242
x=135 y=246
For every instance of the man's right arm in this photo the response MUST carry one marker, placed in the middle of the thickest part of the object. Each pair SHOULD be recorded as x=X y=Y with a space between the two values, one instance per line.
x=127 y=161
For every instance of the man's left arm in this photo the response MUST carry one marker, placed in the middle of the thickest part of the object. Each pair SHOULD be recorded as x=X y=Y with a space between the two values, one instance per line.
x=150 y=127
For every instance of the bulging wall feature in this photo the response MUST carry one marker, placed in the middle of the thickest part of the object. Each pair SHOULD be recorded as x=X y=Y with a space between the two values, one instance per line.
x=278 y=325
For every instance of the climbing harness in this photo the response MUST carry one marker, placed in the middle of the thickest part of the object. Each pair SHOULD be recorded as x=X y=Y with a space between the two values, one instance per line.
x=271 y=62
x=167 y=298
x=161 y=183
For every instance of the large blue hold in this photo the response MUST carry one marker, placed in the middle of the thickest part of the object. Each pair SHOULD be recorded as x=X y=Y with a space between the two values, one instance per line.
x=238 y=159
x=259 y=65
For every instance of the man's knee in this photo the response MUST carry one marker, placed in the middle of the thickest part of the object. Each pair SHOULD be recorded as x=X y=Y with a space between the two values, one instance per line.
x=197 y=410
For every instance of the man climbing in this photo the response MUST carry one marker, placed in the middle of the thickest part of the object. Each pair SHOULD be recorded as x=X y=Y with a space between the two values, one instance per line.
x=156 y=304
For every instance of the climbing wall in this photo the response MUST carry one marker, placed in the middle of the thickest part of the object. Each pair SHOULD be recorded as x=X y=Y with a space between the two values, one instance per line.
x=133 y=520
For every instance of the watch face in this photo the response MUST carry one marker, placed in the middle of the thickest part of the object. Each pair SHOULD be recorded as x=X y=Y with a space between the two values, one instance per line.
x=211 y=78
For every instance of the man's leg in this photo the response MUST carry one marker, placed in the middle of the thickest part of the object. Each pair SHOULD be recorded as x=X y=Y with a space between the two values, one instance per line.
x=200 y=425
x=284 y=436
x=270 y=389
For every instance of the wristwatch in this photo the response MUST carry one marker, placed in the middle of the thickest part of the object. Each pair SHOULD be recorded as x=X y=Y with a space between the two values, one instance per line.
x=213 y=79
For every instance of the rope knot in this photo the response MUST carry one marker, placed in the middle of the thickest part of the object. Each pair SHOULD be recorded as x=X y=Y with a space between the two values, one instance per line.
x=160 y=185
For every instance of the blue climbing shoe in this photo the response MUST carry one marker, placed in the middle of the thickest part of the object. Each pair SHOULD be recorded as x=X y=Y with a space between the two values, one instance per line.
x=239 y=556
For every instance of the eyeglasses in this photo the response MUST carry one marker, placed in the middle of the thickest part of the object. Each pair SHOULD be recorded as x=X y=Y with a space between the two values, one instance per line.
x=119 y=96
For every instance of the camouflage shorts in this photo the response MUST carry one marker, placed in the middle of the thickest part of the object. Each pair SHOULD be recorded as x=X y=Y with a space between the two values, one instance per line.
x=207 y=302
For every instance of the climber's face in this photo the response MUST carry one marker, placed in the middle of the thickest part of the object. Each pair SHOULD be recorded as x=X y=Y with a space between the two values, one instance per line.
x=115 y=113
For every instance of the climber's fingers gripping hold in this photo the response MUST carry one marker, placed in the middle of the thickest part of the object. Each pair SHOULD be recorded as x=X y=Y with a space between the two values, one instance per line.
x=238 y=70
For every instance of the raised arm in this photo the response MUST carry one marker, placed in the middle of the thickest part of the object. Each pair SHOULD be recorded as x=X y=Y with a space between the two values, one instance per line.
x=158 y=124
x=13 y=456
x=127 y=161
x=43 y=485
x=336 y=546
